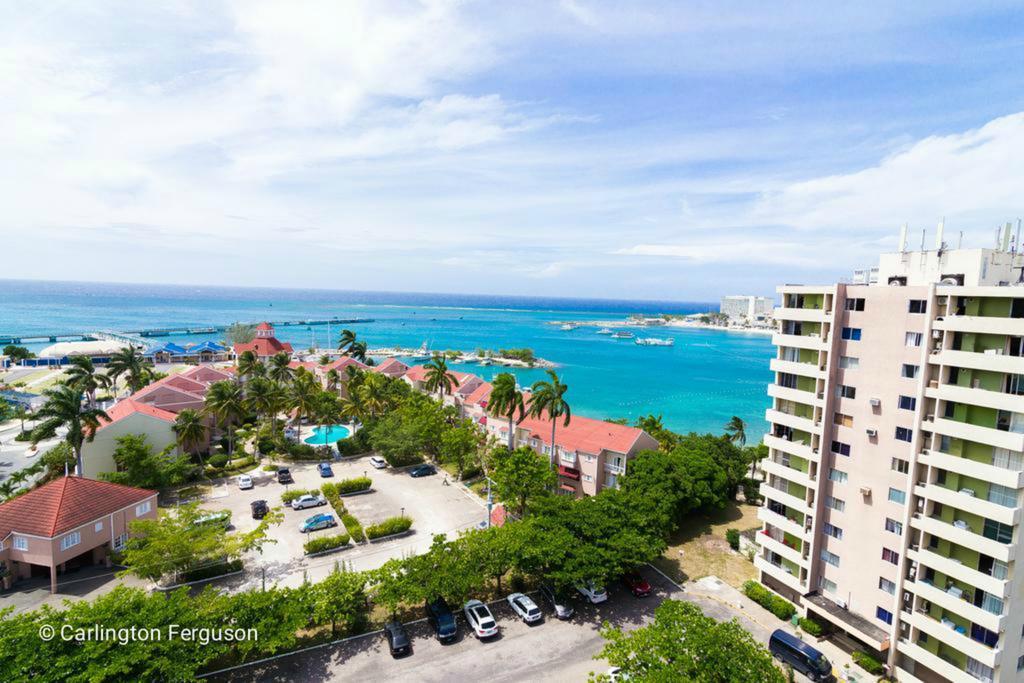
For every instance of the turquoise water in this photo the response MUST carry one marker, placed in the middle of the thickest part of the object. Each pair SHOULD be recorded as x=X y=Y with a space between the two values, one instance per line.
x=328 y=435
x=698 y=384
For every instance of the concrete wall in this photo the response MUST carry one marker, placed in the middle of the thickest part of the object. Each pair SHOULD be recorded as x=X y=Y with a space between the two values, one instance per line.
x=98 y=455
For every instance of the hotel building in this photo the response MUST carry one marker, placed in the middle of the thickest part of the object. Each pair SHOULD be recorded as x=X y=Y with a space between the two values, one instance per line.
x=892 y=499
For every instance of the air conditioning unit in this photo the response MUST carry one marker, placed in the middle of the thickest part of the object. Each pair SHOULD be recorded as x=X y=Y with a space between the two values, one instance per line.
x=865 y=491
x=841 y=603
x=875 y=402
x=872 y=432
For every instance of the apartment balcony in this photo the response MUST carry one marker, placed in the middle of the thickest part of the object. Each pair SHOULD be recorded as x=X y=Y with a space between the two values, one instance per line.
x=940 y=666
x=995 y=362
x=795 y=476
x=959 y=571
x=803 y=424
x=814 y=342
x=797 y=448
x=980 y=324
x=783 y=550
x=954 y=639
x=612 y=468
x=780 y=574
x=998 y=400
x=957 y=605
x=800 y=396
x=812 y=315
x=986 y=435
x=783 y=523
x=968 y=538
x=965 y=500
x=971 y=468
x=797 y=368
x=787 y=499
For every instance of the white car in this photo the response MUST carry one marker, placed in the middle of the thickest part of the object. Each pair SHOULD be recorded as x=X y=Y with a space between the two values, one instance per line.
x=308 y=501
x=525 y=607
x=378 y=462
x=595 y=594
x=245 y=482
x=480 y=619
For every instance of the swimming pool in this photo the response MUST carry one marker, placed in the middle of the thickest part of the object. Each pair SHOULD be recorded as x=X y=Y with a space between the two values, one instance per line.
x=328 y=435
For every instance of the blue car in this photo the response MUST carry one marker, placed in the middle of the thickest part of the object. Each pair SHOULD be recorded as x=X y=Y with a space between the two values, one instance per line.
x=317 y=522
x=325 y=469
x=422 y=471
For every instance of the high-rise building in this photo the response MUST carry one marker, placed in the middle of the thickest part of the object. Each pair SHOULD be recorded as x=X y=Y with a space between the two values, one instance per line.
x=892 y=500
x=746 y=308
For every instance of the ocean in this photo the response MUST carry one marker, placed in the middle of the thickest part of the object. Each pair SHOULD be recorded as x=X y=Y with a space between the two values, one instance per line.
x=696 y=385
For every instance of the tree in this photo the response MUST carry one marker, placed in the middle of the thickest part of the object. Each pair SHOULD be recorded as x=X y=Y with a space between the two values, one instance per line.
x=138 y=465
x=82 y=375
x=754 y=455
x=736 y=430
x=17 y=353
x=521 y=475
x=413 y=429
x=459 y=445
x=63 y=409
x=303 y=395
x=190 y=430
x=358 y=350
x=280 y=369
x=506 y=400
x=340 y=598
x=345 y=340
x=225 y=402
x=261 y=397
x=653 y=425
x=240 y=333
x=129 y=363
x=249 y=366
x=333 y=380
x=438 y=378
x=58 y=460
x=682 y=644
x=548 y=398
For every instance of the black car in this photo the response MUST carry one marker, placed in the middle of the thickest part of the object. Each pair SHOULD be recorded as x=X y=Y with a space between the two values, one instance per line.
x=398 y=639
x=284 y=476
x=259 y=509
x=442 y=620
x=422 y=471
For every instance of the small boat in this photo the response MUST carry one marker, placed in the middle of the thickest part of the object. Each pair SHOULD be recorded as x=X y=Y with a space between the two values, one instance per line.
x=422 y=353
x=486 y=361
x=605 y=330
x=654 y=341
x=622 y=334
x=568 y=327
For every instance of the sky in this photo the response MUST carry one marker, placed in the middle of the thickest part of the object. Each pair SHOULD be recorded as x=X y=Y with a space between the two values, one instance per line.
x=677 y=150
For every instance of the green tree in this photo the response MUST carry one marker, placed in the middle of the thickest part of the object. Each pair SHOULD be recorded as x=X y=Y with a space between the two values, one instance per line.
x=411 y=430
x=438 y=378
x=520 y=476
x=459 y=445
x=190 y=430
x=303 y=396
x=138 y=465
x=653 y=425
x=736 y=430
x=345 y=340
x=358 y=350
x=340 y=599
x=63 y=409
x=129 y=363
x=754 y=455
x=506 y=400
x=249 y=365
x=280 y=369
x=547 y=398
x=17 y=353
x=58 y=460
x=277 y=614
x=239 y=333
x=225 y=402
x=82 y=375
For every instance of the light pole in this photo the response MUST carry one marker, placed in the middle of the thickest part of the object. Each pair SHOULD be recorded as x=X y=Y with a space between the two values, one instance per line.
x=403 y=513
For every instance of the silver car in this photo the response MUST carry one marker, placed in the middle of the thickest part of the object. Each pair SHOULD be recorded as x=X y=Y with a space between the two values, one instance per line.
x=525 y=607
x=308 y=501
x=244 y=482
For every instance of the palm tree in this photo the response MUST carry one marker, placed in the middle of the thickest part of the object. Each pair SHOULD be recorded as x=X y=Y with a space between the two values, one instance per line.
x=63 y=408
x=82 y=375
x=736 y=429
x=189 y=430
x=346 y=340
x=280 y=368
x=260 y=396
x=303 y=395
x=128 y=362
x=358 y=351
x=548 y=397
x=353 y=407
x=333 y=380
x=373 y=394
x=506 y=400
x=225 y=402
x=249 y=365
x=438 y=377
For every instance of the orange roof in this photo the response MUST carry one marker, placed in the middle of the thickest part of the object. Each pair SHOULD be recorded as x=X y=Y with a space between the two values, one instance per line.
x=126 y=407
x=584 y=434
x=264 y=326
x=65 y=504
x=418 y=373
x=480 y=395
x=263 y=347
x=343 y=363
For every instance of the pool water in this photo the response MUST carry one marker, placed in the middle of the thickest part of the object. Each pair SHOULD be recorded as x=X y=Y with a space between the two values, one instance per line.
x=328 y=435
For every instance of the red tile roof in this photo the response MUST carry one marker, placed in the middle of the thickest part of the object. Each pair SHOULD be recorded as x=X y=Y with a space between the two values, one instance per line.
x=264 y=346
x=391 y=366
x=126 y=407
x=480 y=395
x=65 y=504
x=418 y=373
x=584 y=434
x=343 y=363
x=264 y=326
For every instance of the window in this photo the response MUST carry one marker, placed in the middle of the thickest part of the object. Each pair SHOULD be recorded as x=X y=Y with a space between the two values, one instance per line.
x=842 y=420
x=854 y=304
x=587 y=477
x=826 y=585
x=120 y=542
x=918 y=306
x=890 y=556
x=1002 y=495
x=849 y=362
x=884 y=615
x=893 y=526
x=897 y=496
x=851 y=333
x=1003 y=533
x=900 y=465
x=837 y=475
x=20 y=543
x=904 y=434
x=990 y=603
x=1020 y=663
x=844 y=391
x=833 y=531
x=830 y=558
x=787 y=380
x=143 y=508
x=887 y=585
x=910 y=371
x=841 y=448
x=837 y=504
x=98 y=527
x=979 y=671
x=914 y=338
x=71 y=540
x=907 y=403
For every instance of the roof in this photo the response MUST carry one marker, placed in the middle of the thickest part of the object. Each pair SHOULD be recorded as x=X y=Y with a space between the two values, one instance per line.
x=82 y=348
x=126 y=407
x=342 y=363
x=264 y=326
x=166 y=347
x=264 y=346
x=391 y=366
x=65 y=504
x=207 y=346
x=480 y=395
x=584 y=434
x=418 y=373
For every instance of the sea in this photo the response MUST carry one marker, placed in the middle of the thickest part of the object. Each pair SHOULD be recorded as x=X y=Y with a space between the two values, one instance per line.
x=696 y=385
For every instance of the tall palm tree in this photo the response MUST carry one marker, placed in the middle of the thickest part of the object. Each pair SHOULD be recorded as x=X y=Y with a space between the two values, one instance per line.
x=353 y=407
x=303 y=396
x=358 y=351
x=280 y=369
x=63 y=408
x=736 y=429
x=548 y=397
x=506 y=400
x=190 y=430
x=333 y=380
x=82 y=375
x=249 y=366
x=439 y=378
x=260 y=396
x=373 y=394
x=130 y=364
x=346 y=340
x=225 y=402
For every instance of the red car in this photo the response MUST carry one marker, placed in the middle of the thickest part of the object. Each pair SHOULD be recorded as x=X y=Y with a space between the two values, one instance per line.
x=637 y=584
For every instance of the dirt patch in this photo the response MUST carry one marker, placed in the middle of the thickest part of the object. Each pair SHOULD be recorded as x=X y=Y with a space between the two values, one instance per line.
x=699 y=548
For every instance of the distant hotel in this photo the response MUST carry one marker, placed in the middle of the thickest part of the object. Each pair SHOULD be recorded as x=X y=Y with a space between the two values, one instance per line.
x=892 y=506
x=746 y=308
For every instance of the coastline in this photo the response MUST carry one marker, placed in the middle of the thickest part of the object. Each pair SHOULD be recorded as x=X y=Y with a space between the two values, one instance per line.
x=675 y=323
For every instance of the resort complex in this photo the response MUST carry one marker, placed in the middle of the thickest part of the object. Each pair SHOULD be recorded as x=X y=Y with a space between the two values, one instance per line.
x=892 y=499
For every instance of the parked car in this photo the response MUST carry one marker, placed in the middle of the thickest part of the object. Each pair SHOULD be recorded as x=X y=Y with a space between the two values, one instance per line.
x=595 y=594
x=284 y=476
x=558 y=601
x=259 y=509
x=219 y=518
x=442 y=620
x=308 y=501
x=525 y=607
x=398 y=639
x=325 y=470
x=480 y=619
x=244 y=482
x=422 y=471
x=378 y=462
x=637 y=584
x=317 y=522
x=805 y=659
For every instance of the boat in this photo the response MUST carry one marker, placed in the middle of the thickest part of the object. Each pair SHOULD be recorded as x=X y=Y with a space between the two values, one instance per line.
x=422 y=353
x=605 y=330
x=654 y=341
x=486 y=361
x=568 y=327
x=622 y=334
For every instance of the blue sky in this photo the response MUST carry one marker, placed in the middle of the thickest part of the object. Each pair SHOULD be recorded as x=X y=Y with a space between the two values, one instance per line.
x=629 y=150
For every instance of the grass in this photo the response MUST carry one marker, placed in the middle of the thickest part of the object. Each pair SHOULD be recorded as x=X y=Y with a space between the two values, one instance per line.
x=698 y=548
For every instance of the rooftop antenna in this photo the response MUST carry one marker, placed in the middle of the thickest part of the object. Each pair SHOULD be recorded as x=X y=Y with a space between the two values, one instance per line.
x=960 y=242
x=938 y=234
x=1006 y=236
x=1016 y=239
x=903 y=238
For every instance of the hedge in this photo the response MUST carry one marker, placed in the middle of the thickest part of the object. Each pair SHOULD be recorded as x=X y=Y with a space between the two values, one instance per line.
x=392 y=525
x=319 y=545
x=210 y=572
x=357 y=444
x=867 y=662
x=811 y=627
x=353 y=526
x=291 y=494
x=347 y=486
x=781 y=608
x=218 y=461
x=301 y=451
x=733 y=536
x=399 y=460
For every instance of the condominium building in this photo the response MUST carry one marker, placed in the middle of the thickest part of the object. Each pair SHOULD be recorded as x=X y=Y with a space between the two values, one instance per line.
x=892 y=500
x=746 y=308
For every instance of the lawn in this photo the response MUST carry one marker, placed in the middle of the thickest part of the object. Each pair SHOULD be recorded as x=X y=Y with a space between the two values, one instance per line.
x=699 y=547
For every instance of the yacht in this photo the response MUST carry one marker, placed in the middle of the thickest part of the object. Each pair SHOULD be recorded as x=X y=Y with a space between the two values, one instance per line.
x=622 y=334
x=605 y=330
x=654 y=341
x=422 y=353
x=568 y=327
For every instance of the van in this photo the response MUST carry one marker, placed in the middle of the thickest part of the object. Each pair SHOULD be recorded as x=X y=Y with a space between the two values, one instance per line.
x=790 y=650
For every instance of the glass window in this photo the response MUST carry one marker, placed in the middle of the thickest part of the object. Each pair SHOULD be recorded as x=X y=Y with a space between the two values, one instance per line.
x=918 y=306
x=20 y=543
x=900 y=465
x=851 y=333
x=830 y=558
x=914 y=338
x=887 y=585
x=837 y=475
x=143 y=508
x=1002 y=495
x=837 y=504
x=71 y=540
x=897 y=496
x=841 y=448
x=884 y=614
x=890 y=556
x=893 y=526
x=844 y=391
x=910 y=371
x=98 y=527
x=907 y=403
x=849 y=362
x=904 y=434
x=833 y=531
x=854 y=304
x=827 y=585
x=120 y=542
x=842 y=420
x=1003 y=533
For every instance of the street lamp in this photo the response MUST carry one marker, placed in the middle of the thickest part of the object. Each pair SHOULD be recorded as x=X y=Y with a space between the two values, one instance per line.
x=403 y=512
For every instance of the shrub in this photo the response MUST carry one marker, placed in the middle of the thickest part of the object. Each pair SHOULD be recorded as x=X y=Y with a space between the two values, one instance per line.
x=751 y=491
x=291 y=494
x=780 y=607
x=867 y=662
x=269 y=468
x=266 y=445
x=733 y=536
x=357 y=444
x=210 y=572
x=218 y=461
x=811 y=627
x=352 y=525
x=302 y=451
x=400 y=460
x=319 y=545
x=353 y=485
x=392 y=525
x=23 y=436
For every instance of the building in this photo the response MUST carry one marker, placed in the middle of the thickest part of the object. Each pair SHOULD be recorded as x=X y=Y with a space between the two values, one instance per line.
x=203 y=352
x=68 y=522
x=184 y=390
x=264 y=344
x=746 y=308
x=99 y=351
x=893 y=495
x=126 y=417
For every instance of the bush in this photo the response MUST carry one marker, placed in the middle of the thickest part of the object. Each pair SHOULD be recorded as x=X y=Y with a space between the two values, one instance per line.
x=269 y=468
x=218 y=461
x=733 y=536
x=301 y=451
x=210 y=572
x=811 y=627
x=23 y=436
x=291 y=494
x=868 y=663
x=400 y=460
x=351 y=485
x=352 y=525
x=392 y=525
x=357 y=444
x=780 y=607
x=751 y=491
x=319 y=545
x=266 y=445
